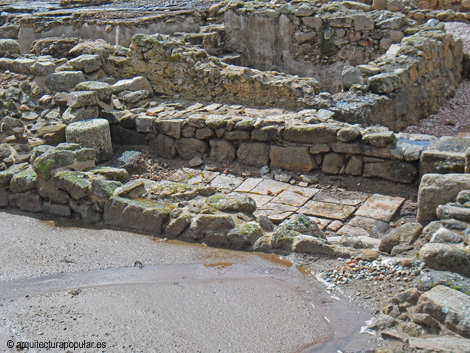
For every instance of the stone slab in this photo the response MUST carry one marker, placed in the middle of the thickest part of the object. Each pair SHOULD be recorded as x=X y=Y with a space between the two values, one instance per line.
x=270 y=187
x=294 y=197
x=352 y=231
x=203 y=177
x=374 y=227
x=380 y=207
x=321 y=222
x=275 y=212
x=226 y=182
x=327 y=210
x=249 y=184
x=438 y=189
x=444 y=155
x=444 y=344
x=340 y=196
x=448 y=306
x=260 y=199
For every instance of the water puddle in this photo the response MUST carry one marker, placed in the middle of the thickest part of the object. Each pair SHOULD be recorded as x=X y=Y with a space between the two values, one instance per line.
x=221 y=266
x=344 y=318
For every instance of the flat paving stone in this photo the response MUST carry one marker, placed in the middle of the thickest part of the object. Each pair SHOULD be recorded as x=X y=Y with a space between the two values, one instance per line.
x=291 y=197
x=352 y=231
x=304 y=191
x=321 y=222
x=380 y=207
x=260 y=200
x=270 y=187
x=342 y=197
x=327 y=210
x=275 y=212
x=226 y=182
x=178 y=176
x=203 y=177
x=249 y=184
x=334 y=226
x=374 y=227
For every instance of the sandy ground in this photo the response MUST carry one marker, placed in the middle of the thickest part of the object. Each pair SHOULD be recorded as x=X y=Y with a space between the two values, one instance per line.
x=59 y=282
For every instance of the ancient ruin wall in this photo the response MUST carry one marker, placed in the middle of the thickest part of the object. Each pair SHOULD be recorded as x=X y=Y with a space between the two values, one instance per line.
x=304 y=141
x=114 y=31
x=304 y=41
x=175 y=67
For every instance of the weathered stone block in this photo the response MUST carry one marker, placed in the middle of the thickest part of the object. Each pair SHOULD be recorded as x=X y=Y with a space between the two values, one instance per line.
x=267 y=133
x=404 y=234
x=400 y=172
x=380 y=139
x=232 y=203
x=9 y=48
x=292 y=158
x=170 y=127
x=57 y=209
x=80 y=99
x=23 y=181
x=222 y=151
x=28 y=201
x=188 y=148
x=445 y=257
x=448 y=211
x=204 y=133
x=213 y=229
x=75 y=183
x=438 y=189
x=102 y=89
x=363 y=23
x=87 y=211
x=253 y=153
x=45 y=159
x=237 y=135
x=178 y=225
x=7 y=175
x=332 y=163
x=445 y=155
x=144 y=123
x=52 y=134
x=448 y=306
x=354 y=166
x=134 y=84
x=384 y=83
x=64 y=81
x=311 y=134
x=92 y=134
x=72 y=115
x=146 y=216
x=86 y=63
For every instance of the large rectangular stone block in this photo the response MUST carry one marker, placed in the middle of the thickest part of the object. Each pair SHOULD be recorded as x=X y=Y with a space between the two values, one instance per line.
x=292 y=158
x=438 y=189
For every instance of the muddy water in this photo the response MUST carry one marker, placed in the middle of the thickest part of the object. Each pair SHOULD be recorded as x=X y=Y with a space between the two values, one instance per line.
x=256 y=288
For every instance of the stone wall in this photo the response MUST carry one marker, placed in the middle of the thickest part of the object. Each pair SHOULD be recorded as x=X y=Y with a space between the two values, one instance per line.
x=309 y=40
x=419 y=67
x=63 y=181
x=304 y=141
x=87 y=26
x=175 y=67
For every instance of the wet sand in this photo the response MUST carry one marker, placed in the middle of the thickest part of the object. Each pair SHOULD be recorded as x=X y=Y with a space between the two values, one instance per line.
x=60 y=282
